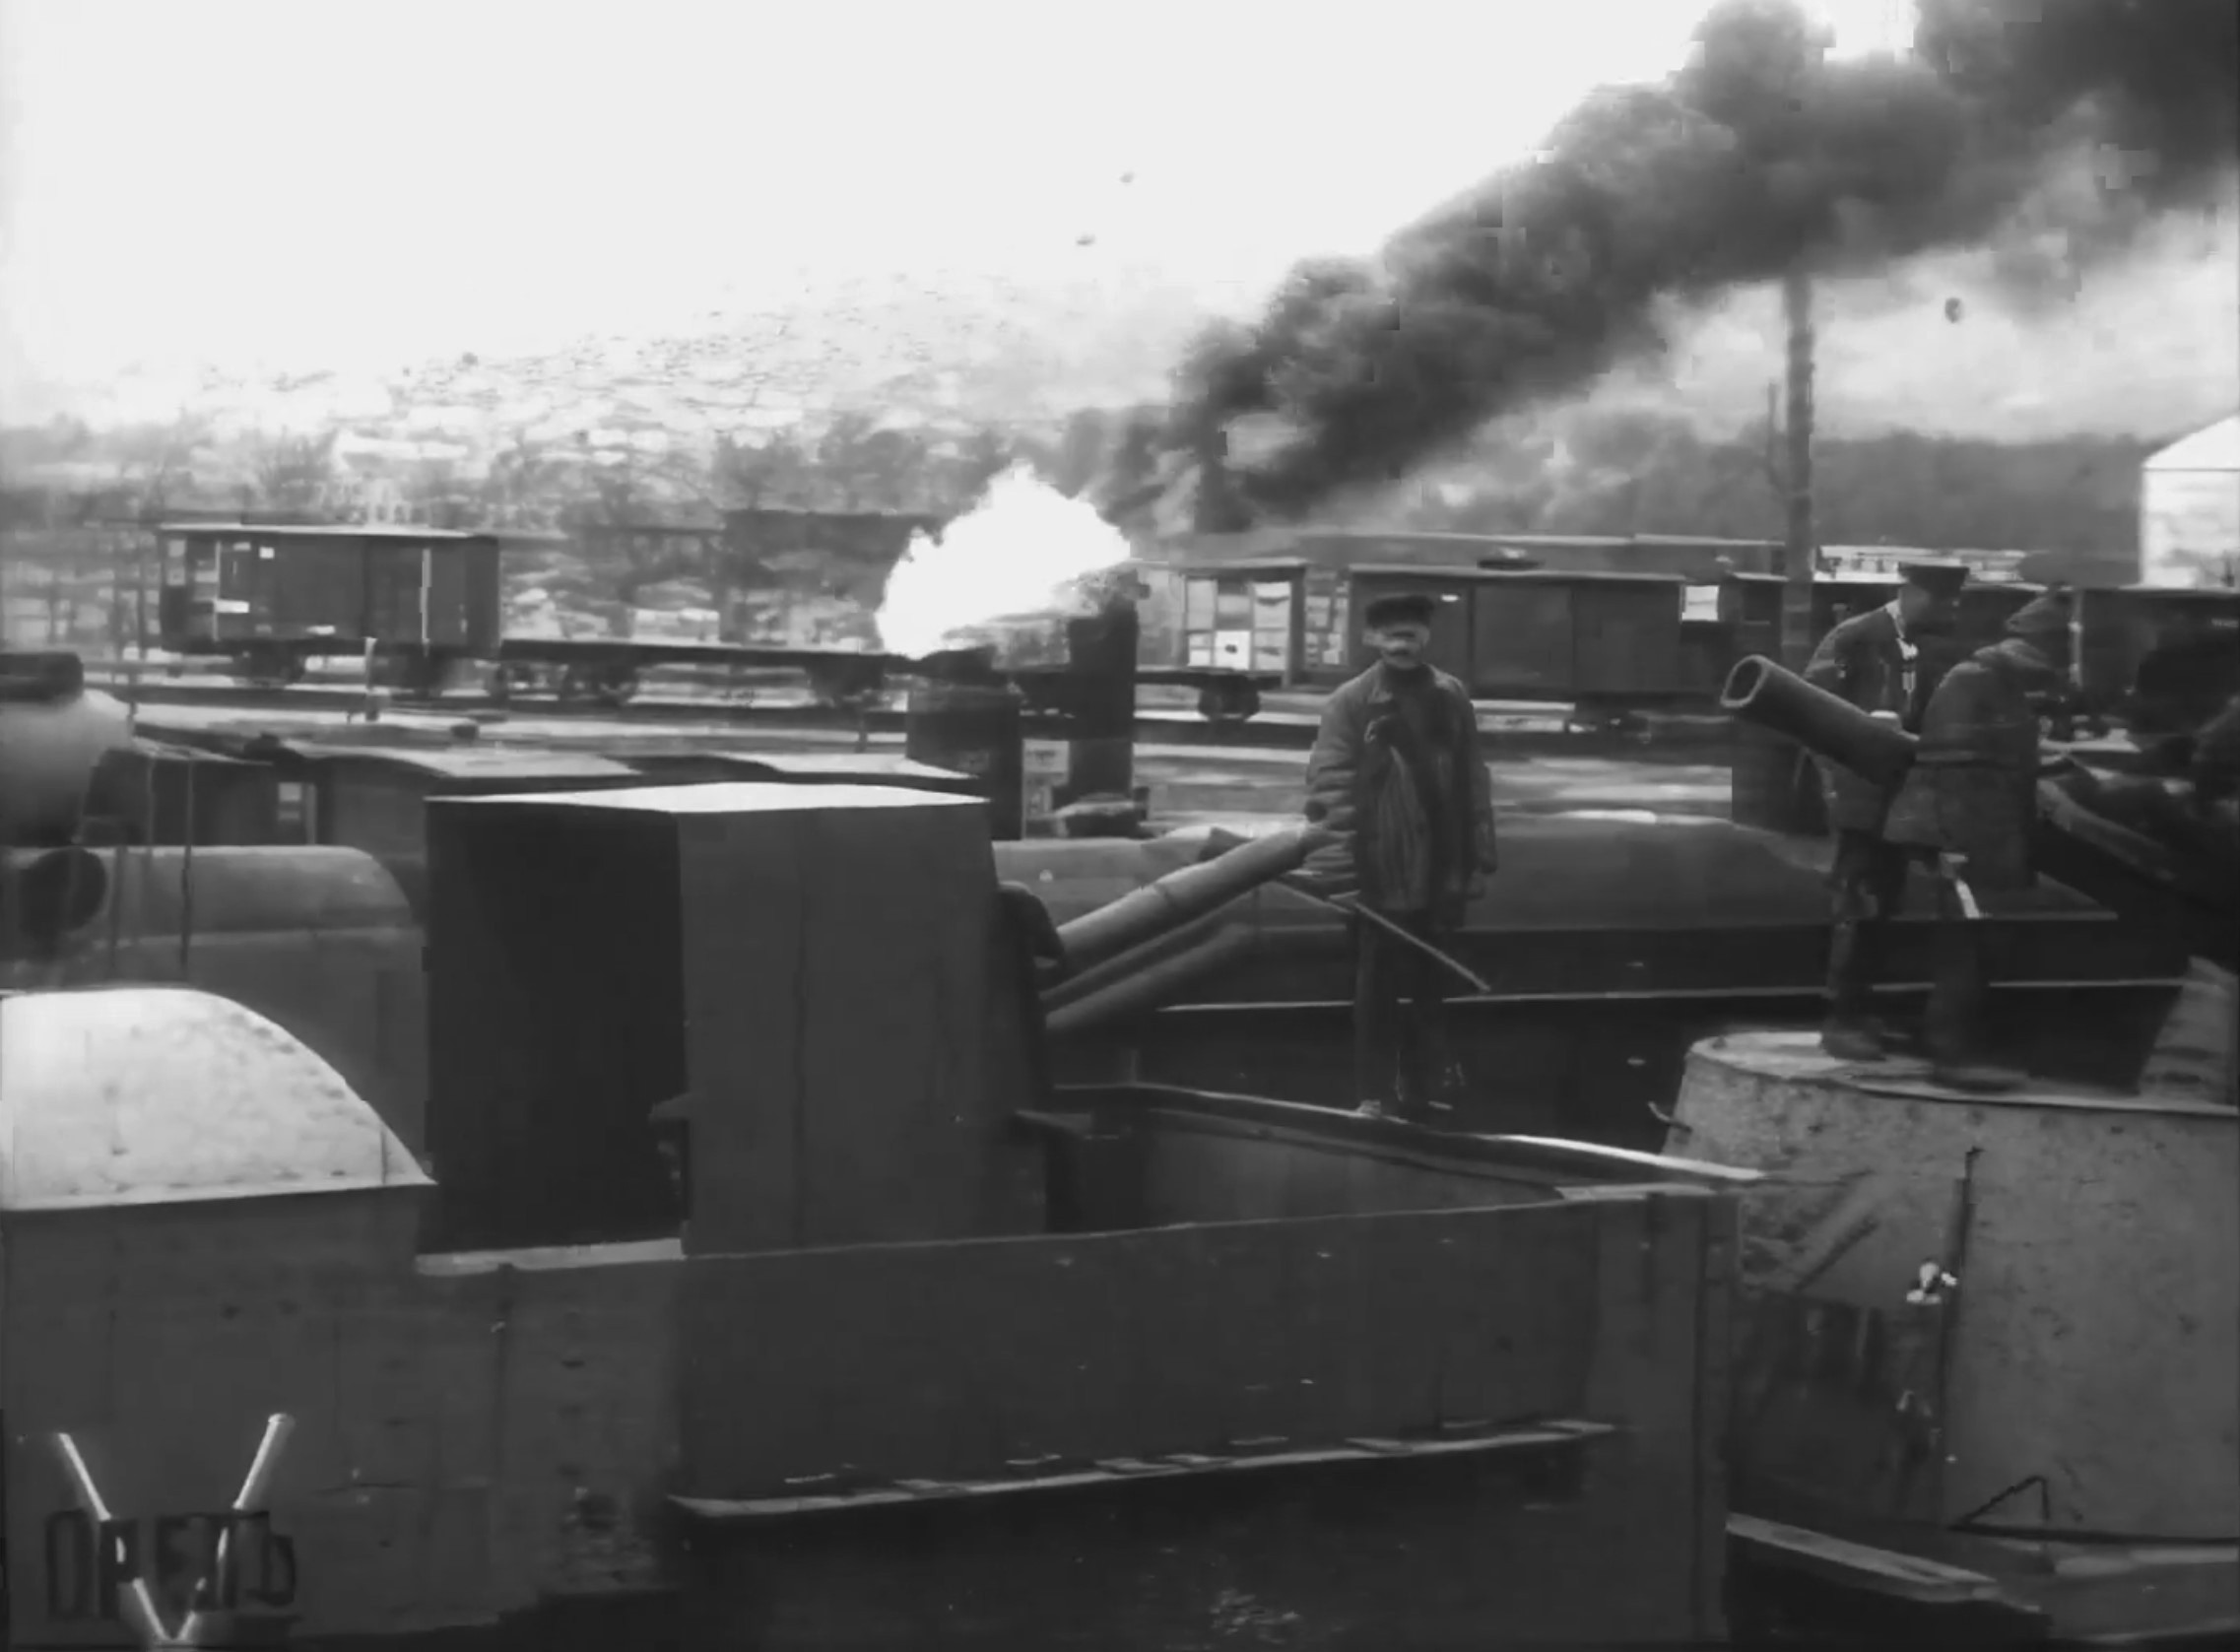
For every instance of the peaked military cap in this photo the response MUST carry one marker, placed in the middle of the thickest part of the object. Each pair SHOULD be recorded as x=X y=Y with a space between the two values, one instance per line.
x=1939 y=576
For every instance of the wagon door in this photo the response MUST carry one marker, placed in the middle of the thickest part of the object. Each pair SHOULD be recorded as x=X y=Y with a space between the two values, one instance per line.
x=394 y=612
x=1450 y=647
x=1626 y=641
x=244 y=590
x=443 y=592
x=1521 y=641
x=182 y=620
x=317 y=587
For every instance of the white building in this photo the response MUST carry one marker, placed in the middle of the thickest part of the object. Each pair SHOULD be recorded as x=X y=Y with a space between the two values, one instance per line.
x=2188 y=510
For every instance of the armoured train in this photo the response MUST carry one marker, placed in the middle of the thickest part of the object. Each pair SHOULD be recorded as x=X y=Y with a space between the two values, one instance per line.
x=53 y=732
x=1708 y=926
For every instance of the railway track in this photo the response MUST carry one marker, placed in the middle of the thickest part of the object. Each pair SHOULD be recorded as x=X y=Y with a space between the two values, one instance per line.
x=1169 y=726
x=792 y=707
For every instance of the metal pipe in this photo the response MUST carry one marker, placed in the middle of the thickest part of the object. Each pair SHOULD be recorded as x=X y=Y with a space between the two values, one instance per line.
x=1349 y=907
x=1113 y=971
x=1180 y=896
x=1149 y=988
x=1764 y=694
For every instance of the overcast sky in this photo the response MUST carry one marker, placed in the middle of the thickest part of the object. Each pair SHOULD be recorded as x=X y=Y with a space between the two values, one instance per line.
x=289 y=184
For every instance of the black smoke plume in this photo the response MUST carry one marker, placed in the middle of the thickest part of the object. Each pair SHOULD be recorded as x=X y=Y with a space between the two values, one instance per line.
x=1758 y=156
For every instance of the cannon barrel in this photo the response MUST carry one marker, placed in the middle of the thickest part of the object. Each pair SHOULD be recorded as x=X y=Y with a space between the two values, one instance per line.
x=1179 y=897
x=1827 y=725
x=1157 y=981
x=1087 y=983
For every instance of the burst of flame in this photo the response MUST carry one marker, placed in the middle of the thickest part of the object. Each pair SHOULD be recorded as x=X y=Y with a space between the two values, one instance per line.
x=1021 y=552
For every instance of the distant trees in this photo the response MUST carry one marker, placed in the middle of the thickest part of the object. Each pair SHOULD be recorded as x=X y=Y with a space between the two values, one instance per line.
x=524 y=485
x=1596 y=470
x=291 y=473
x=1633 y=471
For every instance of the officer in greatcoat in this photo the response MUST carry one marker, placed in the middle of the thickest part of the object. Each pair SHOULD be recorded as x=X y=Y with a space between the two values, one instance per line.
x=1968 y=805
x=1887 y=662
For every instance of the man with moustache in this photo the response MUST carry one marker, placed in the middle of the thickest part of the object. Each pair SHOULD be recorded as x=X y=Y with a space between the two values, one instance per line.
x=1968 y=805
x=1888 y=662
x=1399 y=786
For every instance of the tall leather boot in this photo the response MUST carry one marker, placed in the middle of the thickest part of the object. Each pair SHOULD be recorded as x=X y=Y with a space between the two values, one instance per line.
x=1959 y=996
x=1851 y=1032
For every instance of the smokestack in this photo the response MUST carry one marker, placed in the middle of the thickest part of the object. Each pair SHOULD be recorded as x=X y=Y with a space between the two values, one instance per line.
x=1803 y=552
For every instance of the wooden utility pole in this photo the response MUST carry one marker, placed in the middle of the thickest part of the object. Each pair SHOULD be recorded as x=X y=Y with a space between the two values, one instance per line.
x=1801 y=555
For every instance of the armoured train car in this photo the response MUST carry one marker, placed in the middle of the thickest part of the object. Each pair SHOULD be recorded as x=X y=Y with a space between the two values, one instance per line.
x=1116 y=1357
x=53 y=731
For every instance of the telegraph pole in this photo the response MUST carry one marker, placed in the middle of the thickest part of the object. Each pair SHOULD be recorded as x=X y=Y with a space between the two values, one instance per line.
x=1771 y=782
x=1800 y=553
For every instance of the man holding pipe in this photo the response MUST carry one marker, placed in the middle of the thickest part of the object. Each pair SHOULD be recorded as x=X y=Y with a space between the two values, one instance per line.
x=1887 y=662
x=1398 y=787
x=1968 y=807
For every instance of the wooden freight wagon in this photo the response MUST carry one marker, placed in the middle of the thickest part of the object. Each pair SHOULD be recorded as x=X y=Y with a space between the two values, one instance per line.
x=1450 y=587
x=269 y=598
x=1564 y=637
x=2188 y=643
x=1750 y=609
x=1247 y=616
x=1589 y=639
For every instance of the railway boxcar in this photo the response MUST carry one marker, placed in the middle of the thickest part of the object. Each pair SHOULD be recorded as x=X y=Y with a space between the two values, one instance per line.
x=1450 y=587
x=1749 y=606
x=1589 y=638
x=271 y=597
x=1557 y=634
x=2191 y=636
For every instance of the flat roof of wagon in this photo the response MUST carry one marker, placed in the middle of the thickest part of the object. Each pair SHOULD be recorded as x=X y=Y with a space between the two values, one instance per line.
x=1519 y=575
x=314 y=530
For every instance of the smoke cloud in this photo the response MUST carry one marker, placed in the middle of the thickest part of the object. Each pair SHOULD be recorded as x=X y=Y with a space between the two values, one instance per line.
x=2058 y=127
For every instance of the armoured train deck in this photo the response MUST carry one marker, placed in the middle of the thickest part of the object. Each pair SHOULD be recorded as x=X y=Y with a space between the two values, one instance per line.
x=1145 y=1346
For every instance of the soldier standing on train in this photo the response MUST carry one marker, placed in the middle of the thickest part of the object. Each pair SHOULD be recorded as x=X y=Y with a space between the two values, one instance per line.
x=1887 y=662
x=1968 y=807
x=1399 y=788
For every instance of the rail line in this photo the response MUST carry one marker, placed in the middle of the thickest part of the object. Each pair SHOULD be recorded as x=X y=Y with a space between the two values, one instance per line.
x=1169 y=726
x=1539 y=728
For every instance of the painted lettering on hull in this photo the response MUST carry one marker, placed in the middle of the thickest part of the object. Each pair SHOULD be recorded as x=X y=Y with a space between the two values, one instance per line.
x=91 y=1565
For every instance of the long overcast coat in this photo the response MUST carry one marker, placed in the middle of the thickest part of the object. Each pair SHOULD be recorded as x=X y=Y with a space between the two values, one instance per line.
x=1863 y=661
x=1384 y=838
x=1973 y=788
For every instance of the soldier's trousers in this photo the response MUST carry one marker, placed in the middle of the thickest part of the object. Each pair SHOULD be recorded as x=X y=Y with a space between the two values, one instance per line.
x=1399 y=1010
x=1869 y=878
x=1954 y=1029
